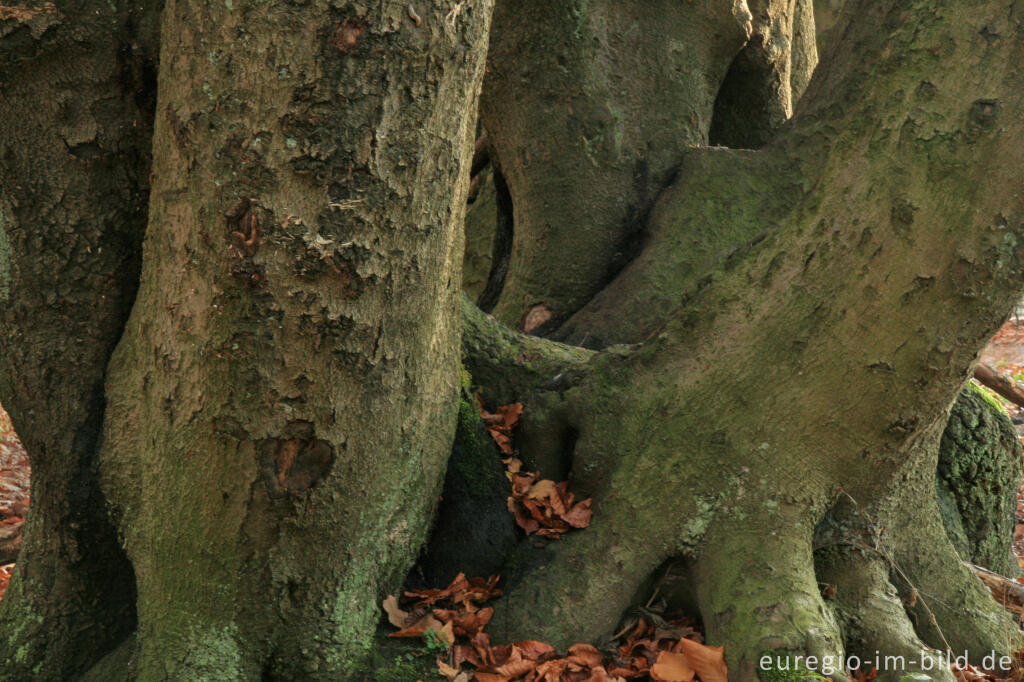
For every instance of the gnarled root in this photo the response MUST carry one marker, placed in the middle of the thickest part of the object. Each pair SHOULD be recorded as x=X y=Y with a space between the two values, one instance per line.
x=952 y=607
x=758 y=592
x=575 y=589
x=876 y=627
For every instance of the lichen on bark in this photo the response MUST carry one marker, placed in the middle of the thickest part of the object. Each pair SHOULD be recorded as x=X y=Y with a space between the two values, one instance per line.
x=978 y=475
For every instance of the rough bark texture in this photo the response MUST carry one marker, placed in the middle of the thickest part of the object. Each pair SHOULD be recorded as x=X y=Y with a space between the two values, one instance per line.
x=481 y=218
x=863 y=285
x=283 y=401
x=978 y=476
x=76 y=90
x=584 y=144
x=768 y=76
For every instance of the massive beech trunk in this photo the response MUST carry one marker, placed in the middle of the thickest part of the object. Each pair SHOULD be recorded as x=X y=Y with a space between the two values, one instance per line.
x=282 y=403
x=76 y=96
x=282 y=399
x=810 y=312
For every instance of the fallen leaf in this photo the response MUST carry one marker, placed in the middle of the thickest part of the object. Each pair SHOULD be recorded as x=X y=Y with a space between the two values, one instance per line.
x=586 y=655
x=862 y=676
x=449 y=672
x=672 y=667
x=417 y=629
x=446 y=634
x=501 y=423
x=707 y=661
x=534 y=650
x=488 y=677
x=580 y=514
x=541 y=490
x=396 y=616
x=516 y=666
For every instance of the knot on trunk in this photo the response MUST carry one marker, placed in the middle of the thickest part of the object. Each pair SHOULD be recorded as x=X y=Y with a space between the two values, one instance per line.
x=295 y=462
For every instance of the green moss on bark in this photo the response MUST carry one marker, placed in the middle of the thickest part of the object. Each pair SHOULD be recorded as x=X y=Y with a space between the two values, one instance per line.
x=474 y=531
x=978 y=473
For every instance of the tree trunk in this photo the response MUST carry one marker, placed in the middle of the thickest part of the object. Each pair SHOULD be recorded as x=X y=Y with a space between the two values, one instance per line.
x=583 y=145
x=282 y=403
x=76 y=96
x=862 y=219
x=280 y=406
x=978 y=477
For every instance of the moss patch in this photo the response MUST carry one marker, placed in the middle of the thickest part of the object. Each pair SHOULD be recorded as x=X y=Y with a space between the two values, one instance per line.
x=399 y=661
x=979 y=468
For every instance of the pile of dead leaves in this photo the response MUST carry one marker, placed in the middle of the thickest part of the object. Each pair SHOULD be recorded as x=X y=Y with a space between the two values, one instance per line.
x=544 y=507
x=453 y=611
x=539 y=505
x=501 y=423
x=669 y=651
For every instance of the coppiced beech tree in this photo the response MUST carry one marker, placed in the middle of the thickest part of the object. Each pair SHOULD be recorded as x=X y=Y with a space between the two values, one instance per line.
x=738 y=303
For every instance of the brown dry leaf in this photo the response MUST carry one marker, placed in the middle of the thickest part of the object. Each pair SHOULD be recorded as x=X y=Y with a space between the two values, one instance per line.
x=535 y=650
x=427 y=622
x=523 y=518
x=446 y=634
x=629 y=673
x=580 y=514
x=708 y=661
x=552 y=670
x=586 y=655
x=501 y=423
x=466 y=653
x=449 y=672
x=544 y=507
x=862 y=676
x=489 y=677
x=541 y=490
x=510 y=414
x=396 y=616
x=465 y=623
x=516 y=665
x=672 y=667
x=521 y=483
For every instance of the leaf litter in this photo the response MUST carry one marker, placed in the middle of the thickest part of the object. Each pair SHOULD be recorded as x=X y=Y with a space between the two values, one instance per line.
x=540 y=506
x=666 y=651
x=653 y=649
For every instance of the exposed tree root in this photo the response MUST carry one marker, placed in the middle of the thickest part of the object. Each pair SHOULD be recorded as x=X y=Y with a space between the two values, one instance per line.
x=872 y=617
x=952 y=604
x=758 y=593
x=574 y=589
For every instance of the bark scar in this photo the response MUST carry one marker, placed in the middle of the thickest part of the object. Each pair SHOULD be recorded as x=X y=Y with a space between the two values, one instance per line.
x=250 y=241
x=295 y=462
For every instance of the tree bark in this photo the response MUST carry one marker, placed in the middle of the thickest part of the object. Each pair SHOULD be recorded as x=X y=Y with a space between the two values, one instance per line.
x=978 y=477
x=583 y=145
x=282 y=403
x=76 y=97
x=882 y=226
